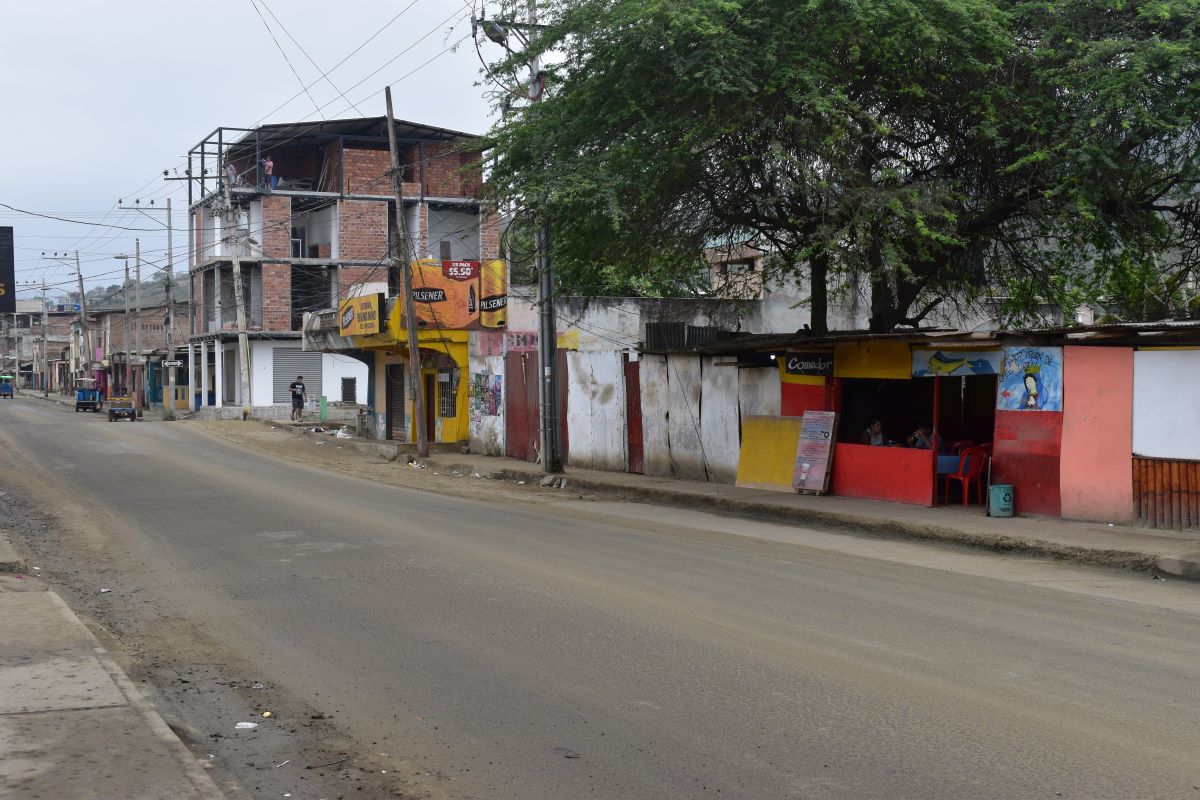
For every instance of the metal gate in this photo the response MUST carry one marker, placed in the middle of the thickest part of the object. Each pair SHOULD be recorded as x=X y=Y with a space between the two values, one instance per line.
x=522 y=418
x=633 y=417
x=521 y=406
x=286 y=364
x=397 y=425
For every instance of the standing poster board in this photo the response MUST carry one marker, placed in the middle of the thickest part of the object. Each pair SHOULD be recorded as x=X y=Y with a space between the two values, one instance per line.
x=814 y=453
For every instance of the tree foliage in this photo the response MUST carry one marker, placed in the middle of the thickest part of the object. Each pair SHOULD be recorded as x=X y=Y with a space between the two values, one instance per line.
x=925 y=149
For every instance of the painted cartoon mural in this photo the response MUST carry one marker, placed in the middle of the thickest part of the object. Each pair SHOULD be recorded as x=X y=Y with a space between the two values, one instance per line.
x=1030 y=380
x=944 y=363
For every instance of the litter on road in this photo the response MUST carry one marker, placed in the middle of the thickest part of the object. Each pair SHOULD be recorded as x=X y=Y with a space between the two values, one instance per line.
x=245 y=726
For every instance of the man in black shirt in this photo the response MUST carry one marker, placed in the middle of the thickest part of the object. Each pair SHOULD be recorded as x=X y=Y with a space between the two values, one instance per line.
x=296 y=387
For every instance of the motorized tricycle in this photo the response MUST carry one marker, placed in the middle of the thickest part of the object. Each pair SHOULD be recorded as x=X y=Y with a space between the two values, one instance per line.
x=87 y=396
x=121 y=407
x=6 y=386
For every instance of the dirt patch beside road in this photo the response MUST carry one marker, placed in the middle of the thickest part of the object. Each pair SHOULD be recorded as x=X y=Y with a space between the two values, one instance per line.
x=328 y=452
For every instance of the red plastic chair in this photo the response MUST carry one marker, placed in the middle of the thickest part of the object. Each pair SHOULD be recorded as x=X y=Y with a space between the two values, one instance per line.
x=970 y=471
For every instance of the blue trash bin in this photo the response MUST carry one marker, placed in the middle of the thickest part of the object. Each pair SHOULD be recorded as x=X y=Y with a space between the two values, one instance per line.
x=1000 y=500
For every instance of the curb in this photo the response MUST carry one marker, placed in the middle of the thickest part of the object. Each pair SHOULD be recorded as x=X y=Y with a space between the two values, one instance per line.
x=1181 y=567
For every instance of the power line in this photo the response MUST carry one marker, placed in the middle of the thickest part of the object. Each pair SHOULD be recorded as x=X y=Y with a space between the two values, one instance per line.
x=316 y=66
x=73 y=221
x=279 y=47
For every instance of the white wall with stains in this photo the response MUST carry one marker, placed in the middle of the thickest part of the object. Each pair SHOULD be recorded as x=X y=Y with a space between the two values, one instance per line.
x=758 y=392
x=596 y=424
x=720 y=431
x=683 y=420
x=656 y=443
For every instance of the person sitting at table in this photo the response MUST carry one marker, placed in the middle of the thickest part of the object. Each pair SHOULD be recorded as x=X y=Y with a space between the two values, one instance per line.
x=923 y=439
x=873 y=434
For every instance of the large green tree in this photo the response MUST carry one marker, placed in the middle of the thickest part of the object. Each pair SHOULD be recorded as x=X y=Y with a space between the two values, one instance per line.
x=925 y=149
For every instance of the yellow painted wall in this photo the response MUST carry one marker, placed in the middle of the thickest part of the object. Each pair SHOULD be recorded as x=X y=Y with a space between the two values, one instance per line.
x=873 y=360
x=768 y=456
x=452 y=343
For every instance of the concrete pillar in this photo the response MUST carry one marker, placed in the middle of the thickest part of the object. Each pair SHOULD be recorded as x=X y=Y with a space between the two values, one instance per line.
x=191 y=381
x=203 y=372
x=219 y=371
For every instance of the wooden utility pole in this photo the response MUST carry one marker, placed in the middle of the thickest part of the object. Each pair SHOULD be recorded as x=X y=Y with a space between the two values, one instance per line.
x=402 y=253
x=169 y=401
x=84 y=334
x=239 y=296
x=45 y=349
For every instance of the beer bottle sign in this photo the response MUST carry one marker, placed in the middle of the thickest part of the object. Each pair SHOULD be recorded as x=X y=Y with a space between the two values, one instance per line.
x=493 y=302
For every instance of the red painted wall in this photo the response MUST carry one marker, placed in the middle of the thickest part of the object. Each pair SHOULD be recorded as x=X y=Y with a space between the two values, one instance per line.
x=899 y=474
x=796 y=398
x=1096 y=468
x=1026 y=455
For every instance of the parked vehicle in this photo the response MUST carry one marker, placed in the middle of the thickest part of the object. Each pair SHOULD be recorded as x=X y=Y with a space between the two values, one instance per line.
x=120 y=407
x=87 y=396
x=6 y=386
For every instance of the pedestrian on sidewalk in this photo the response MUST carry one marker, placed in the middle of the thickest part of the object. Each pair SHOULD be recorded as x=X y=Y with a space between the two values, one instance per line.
x=299 y=395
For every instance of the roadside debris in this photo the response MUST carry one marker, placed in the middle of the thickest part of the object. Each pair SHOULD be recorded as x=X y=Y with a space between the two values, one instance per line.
x=330 y=764
x=105 y=591
x=246 y=726
x=266 y=714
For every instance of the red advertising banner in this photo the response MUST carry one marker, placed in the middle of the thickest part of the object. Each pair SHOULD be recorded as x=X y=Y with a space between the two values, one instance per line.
x=461 y=270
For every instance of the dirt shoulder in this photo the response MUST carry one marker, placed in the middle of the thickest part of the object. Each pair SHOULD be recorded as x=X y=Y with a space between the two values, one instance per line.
x=444 y=474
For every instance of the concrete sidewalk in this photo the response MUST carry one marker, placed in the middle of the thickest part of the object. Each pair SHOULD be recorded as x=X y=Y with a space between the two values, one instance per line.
x=1098 y=544
x=72 y=724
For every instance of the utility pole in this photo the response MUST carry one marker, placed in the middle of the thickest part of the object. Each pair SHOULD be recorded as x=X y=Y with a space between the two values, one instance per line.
x=168 y=378
x=239 y=297
x=498 y=31
x=137 y=336
x=403 y=253
x=547 y=323
x=169 y=400
x=85 y=335
x=45 y=349
x=125 y=335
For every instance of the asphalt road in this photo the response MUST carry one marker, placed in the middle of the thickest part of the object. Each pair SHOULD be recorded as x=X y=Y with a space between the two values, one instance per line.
x=579 y=650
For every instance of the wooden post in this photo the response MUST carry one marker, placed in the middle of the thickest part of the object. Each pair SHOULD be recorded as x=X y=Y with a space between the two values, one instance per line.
x=403 y=254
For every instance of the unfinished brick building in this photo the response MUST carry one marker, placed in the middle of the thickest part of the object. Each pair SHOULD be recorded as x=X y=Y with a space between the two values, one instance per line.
x=314 y=230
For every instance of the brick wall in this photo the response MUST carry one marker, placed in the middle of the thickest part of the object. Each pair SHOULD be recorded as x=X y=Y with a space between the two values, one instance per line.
x=489 y=234
x=450 y=172
x=349 y=278
x=367 y=171
x=277 y=227
x=277 y=297
x=362 y=230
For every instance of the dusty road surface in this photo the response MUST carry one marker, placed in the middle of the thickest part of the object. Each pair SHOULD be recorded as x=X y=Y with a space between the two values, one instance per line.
x=496 y=641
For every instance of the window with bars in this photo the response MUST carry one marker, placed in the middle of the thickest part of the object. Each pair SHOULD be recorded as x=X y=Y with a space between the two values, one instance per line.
x=446 y=394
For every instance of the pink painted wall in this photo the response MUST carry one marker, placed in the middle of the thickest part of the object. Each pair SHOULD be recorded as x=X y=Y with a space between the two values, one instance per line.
x=1097 y=440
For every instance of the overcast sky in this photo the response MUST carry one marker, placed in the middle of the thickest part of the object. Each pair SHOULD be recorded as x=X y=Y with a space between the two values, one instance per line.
x=101 y=97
